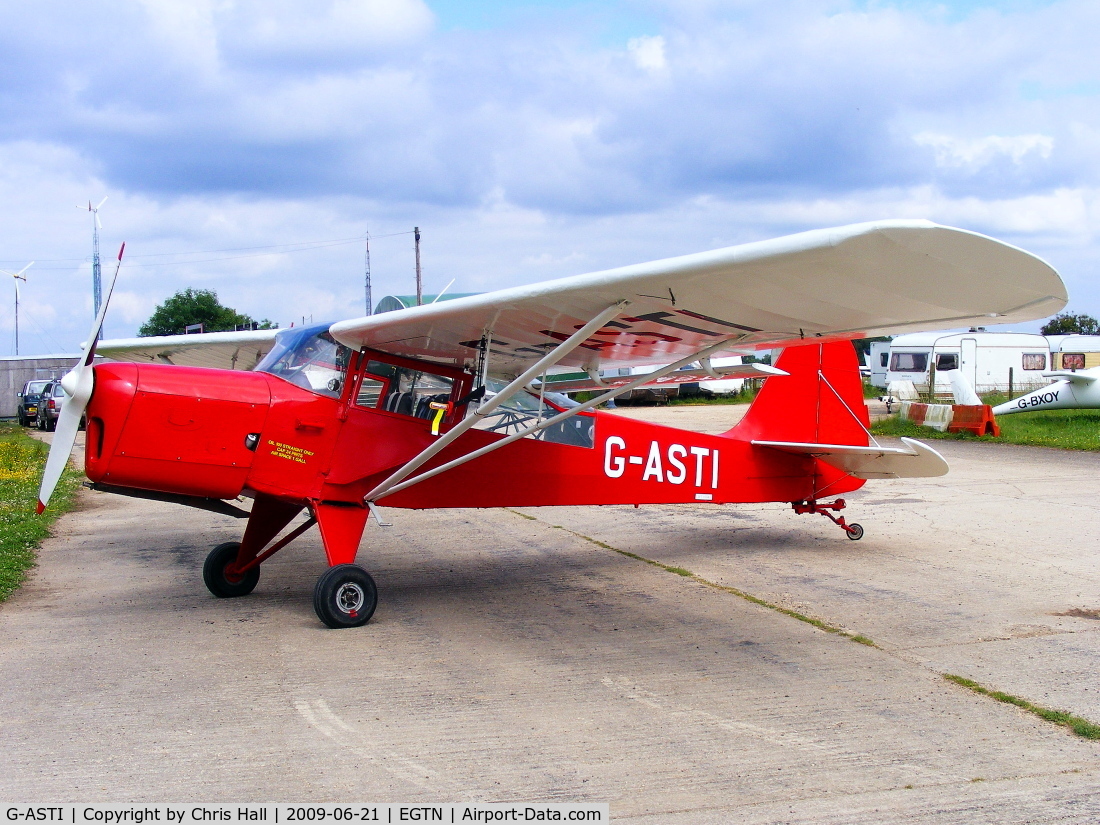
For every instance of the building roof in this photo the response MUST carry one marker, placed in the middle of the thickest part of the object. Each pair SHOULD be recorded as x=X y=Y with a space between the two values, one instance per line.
x=984 y=339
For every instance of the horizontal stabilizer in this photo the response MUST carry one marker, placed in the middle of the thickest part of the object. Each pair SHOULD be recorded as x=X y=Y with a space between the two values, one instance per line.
x=914 y=460
x=1085 y=377
x=569 y=384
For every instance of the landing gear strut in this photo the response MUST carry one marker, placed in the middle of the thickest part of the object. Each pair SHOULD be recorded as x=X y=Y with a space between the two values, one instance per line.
x=345 y=595
x=853 y=530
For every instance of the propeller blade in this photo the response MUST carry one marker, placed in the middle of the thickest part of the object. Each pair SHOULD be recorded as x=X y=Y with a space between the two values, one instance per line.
x=101 y=202
x=78 y=384
x=98 y=222
x=64 y=436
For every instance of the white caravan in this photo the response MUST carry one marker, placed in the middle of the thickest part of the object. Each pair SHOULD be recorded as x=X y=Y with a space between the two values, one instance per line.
x=878 y=362
x=988 y=360
x=1074 y=352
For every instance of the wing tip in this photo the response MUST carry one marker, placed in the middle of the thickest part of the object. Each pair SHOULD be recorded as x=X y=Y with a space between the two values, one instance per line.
x=40 y=508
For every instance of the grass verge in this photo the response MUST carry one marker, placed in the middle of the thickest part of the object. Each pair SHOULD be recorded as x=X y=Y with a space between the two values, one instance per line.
x=687 y=574
x=1080 y=726
x=21 y=531
x=1066 y=429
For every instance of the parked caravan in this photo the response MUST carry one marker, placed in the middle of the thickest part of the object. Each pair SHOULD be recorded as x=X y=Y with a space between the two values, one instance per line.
x=1074 y=352
x=990 y=361
x=878 y=362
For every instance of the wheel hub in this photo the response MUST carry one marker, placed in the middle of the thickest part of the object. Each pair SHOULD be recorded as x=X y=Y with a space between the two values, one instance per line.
x=350 y=598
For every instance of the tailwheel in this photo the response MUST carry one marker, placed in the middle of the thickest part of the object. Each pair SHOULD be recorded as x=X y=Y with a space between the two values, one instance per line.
x=851 y=530
x=221 y=582
x=345 y=596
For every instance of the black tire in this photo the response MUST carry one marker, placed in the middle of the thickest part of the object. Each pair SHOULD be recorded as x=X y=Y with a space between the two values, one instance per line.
x=23 y=421
x=345 y=596
x=855 y=532
x=213 y=573
x=51 y=424
x=39 y=423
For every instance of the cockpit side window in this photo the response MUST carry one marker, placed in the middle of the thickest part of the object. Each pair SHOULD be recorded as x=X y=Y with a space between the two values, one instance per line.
x=404 y=389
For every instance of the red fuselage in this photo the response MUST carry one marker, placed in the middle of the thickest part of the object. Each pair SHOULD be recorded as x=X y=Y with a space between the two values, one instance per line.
x=220 y=434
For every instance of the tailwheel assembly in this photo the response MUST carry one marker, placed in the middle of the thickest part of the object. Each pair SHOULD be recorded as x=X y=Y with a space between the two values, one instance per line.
x=345 y=596
x=851 y=529
x=222 y=579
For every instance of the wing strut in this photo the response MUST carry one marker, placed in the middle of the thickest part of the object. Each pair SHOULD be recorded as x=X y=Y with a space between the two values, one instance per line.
x=399 y=485
x=517 y=385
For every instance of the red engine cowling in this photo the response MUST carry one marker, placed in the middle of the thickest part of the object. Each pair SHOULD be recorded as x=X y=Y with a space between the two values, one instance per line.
x=174 y=429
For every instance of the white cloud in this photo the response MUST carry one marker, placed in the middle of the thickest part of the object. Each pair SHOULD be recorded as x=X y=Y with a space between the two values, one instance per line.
x=978 y=152
x=523 y=152
x=648 y=52
x=325 y=32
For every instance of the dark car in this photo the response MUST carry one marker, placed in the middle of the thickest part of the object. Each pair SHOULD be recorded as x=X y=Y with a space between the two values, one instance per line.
x=49 y=405
x=28 y=402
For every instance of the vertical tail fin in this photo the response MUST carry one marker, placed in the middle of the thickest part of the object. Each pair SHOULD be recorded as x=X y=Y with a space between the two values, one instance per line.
x=819 y=402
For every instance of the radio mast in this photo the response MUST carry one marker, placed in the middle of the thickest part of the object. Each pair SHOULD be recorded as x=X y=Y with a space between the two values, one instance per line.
x=366 y=274
x=97 y=281
x=419 y=285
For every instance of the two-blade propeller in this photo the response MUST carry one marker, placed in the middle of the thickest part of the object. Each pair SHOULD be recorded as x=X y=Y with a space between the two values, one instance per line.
x=78 y=384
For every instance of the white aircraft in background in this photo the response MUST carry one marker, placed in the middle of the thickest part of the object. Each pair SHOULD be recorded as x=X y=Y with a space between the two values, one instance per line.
x=1079 y=390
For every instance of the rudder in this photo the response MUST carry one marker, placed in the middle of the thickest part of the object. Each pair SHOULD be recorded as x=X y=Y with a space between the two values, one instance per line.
x=820 y=401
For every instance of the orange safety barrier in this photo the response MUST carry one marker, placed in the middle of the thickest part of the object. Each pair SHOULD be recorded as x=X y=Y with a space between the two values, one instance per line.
x=917 y=412
x=936 y=416
x=977 y=419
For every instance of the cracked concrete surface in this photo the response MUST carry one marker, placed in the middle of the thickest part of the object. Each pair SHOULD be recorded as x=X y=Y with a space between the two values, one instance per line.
x=513 y=661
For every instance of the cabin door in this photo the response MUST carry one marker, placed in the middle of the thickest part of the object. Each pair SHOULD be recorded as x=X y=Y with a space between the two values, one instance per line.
x=969 y=361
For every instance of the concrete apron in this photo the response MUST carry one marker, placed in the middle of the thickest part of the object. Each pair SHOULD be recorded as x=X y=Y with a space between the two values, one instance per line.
x=513 y=660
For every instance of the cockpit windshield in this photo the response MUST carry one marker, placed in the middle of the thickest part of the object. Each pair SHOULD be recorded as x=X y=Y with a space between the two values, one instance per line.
x=310 y=358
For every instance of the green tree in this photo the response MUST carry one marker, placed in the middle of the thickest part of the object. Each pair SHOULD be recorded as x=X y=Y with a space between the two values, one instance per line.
x=197 y=306
x=1066 y=323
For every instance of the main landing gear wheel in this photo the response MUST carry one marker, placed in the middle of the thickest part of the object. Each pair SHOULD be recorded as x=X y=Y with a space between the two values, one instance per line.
x=345 y=596
x=219 y=582
x=854 y=531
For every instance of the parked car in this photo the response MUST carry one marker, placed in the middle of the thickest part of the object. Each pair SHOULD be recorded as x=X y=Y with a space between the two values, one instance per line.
x=27 y=410
x=49 y=405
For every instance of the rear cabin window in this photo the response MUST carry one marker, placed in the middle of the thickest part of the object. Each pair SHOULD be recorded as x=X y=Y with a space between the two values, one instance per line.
x=909 y=362
x=947 y=361
x=1035 y=360
x=1073 y=360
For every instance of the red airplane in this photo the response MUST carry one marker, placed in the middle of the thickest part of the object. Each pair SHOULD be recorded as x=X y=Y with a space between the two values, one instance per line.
x=448 y=405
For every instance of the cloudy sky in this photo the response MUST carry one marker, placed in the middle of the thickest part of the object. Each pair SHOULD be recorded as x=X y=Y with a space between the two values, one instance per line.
x=248 y=146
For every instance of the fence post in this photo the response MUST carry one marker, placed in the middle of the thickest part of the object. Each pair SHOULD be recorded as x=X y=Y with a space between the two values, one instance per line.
x=1010 y=383
x=932 y=382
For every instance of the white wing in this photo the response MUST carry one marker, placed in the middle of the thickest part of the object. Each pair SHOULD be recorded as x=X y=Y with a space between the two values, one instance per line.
x=856 y=281
x=1082 y=377
x=218 y=350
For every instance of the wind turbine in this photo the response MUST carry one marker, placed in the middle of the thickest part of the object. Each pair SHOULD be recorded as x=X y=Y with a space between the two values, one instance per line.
x=19 y=276
x=97 y=286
